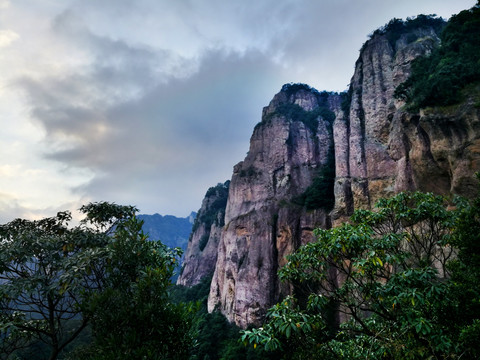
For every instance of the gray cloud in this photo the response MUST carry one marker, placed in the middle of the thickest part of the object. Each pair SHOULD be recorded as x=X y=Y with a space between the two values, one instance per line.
x=176 y=140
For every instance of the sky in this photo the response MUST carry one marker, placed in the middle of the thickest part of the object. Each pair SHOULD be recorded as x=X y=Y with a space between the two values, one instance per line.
x=151 y=102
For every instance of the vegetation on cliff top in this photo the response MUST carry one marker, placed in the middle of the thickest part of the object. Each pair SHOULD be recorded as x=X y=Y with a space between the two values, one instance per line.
x=395 y=28
x=438 y=79
x=295 y=112
x=216 y=197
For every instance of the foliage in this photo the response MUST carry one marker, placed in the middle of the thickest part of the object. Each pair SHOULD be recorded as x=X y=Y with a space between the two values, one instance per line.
x=385 y=286
x=55 y=280
x=203 y=241
x=464 y=288
x=293 y=88
x=295 y=112
x=437 y=79
x=216 y=338
x=45 y=271
x=320 y=195
x=250 y=172
x=346 y=97
x=131 y=315
x=214 y=213
x=395 y=28
x=309 y=118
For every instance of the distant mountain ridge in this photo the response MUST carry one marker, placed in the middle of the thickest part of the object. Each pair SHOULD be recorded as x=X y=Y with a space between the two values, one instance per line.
x=170 y=230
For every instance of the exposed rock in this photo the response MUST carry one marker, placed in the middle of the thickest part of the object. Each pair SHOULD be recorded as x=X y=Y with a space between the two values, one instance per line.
x=391 y=150
x=263 y=222
x=201 y=254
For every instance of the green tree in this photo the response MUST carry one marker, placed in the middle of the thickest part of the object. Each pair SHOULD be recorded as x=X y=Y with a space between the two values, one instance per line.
x=56 y=280
x=216 y=338
x=383 y=286
x=45 y=269
x=132 y=316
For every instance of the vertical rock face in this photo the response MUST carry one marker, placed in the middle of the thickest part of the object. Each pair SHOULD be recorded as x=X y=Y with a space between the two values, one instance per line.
x=381 y=149
x=201 y=254
x=265 y=219
x=313 y=160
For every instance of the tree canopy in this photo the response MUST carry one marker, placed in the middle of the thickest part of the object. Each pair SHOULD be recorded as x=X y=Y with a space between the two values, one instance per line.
x=395 y=283
x=103 y=273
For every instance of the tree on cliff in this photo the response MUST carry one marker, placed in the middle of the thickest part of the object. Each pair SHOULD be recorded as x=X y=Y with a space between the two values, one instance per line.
x=56 y=280
x=397 y=283
x=439 y=78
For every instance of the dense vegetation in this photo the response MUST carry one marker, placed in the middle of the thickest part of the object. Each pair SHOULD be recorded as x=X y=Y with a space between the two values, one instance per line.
x=397 y=283
x=400 y=282
x=102 y=275
x=216 y=338
x=395 y=28
x=214 y=213
x=320 y=195
x=439 y=78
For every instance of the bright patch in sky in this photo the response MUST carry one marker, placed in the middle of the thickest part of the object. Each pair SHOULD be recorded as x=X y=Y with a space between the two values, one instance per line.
x=151 y=102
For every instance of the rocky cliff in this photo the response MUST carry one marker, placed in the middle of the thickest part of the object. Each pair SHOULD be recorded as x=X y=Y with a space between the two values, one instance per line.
x=315 y=157
x=382 y=149
x=201 y=254
x=265 y=218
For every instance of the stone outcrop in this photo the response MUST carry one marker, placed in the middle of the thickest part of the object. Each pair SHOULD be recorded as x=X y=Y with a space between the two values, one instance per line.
x=382 y=149
x=375 y=147
x=263 y=222
x=201 y=255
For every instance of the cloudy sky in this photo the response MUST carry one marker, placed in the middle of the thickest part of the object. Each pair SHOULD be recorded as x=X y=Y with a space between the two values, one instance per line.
x=150 y=102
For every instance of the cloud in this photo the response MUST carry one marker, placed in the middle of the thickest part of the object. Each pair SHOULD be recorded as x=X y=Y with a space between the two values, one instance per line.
x=152 y=125
x=13 y=208
x=174 y=141
x=4 y=4
x=7 y=37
